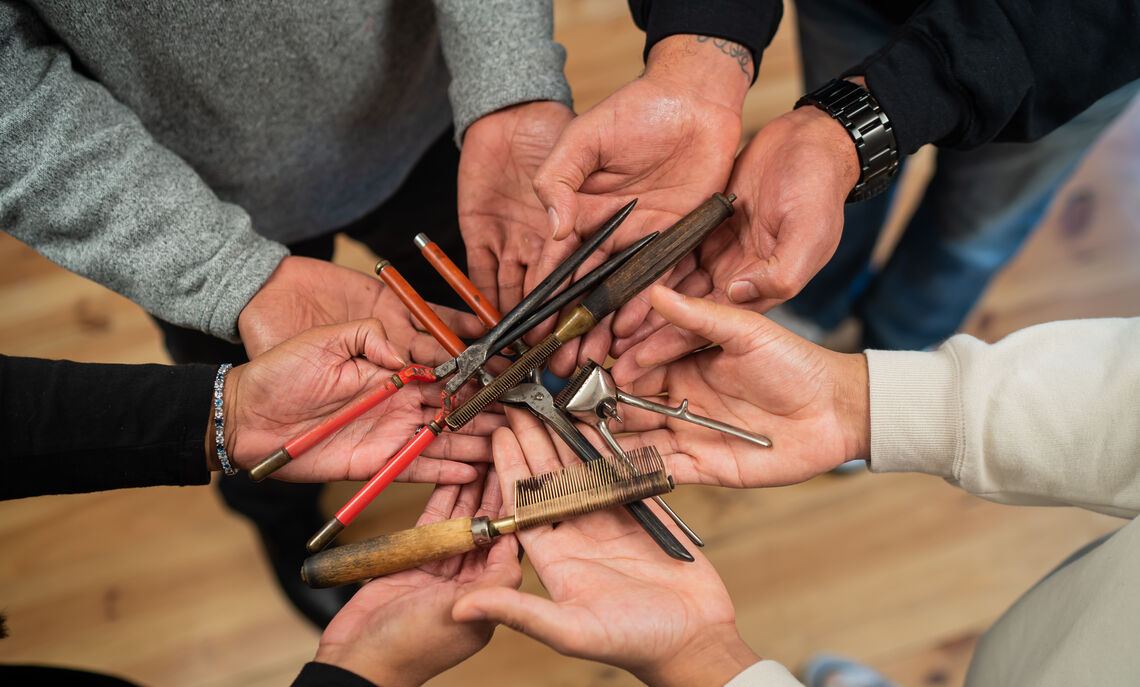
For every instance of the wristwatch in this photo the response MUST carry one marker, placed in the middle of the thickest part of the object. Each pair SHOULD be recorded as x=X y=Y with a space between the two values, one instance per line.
x=857 y=110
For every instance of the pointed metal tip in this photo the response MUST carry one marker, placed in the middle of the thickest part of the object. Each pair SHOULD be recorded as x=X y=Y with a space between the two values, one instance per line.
x=422 y=241
x=325 y=536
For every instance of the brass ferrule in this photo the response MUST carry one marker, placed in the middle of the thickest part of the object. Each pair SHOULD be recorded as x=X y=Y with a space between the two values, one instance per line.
x=384 y=262
x=578 y=322
x=481 y=531
x=324 y=537
x=278 y=460
x=503 y=526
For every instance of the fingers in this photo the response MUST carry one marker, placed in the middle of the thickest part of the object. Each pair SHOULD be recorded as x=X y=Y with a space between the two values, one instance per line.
x=574 y=158
x=436 y=471
x=483 y=270
x=734 y=329
x=664 y=346
x=534 y=616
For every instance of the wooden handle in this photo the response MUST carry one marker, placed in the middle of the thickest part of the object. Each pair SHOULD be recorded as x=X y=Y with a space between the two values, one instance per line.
x=388 y=553
x=658 y=257
x=419 y=307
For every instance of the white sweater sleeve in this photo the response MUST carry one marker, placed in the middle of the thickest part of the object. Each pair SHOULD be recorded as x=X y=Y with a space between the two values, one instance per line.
x=1050 y=415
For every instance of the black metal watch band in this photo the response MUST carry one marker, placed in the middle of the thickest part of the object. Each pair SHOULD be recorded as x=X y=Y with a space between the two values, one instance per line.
x=856 y=109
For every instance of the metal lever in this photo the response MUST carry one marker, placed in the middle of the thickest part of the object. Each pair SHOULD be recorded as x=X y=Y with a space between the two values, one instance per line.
x=604 y=430
x=682 y=412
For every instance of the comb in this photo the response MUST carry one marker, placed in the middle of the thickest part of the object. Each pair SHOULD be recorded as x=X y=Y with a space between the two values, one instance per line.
x=539 y=500
x=644 y=268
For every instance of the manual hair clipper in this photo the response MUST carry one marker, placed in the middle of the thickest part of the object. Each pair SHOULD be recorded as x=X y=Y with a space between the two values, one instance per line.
x=592 y=396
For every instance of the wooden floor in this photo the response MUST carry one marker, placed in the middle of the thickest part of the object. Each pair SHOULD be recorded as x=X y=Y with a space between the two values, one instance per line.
x=902 y=571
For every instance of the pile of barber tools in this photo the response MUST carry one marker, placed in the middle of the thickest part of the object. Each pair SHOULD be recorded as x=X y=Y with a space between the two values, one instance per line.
x=624 y=479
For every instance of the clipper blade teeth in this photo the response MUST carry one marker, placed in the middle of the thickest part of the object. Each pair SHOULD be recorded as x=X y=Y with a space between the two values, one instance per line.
x=514 y=374
x=575 y=384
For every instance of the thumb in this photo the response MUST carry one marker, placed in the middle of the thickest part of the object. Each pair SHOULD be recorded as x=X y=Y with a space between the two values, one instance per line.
x=736 y=330
x=368 y=338
x=572 y=160
x=529 y=614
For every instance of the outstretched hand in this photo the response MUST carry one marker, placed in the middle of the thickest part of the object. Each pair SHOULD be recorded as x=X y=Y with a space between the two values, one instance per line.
x=812 y=402
x=791 y=182
x=303 y=293
x=614 y=596
x=667 y=139
x=502 y=221
x=291 y=387
x=398 y=630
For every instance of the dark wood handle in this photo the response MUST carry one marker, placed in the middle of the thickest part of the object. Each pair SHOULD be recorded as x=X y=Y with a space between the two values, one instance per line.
x=388 y=553
x=658 y=257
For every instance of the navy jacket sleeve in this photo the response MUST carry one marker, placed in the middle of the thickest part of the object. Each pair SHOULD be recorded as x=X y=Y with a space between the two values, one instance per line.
x=963 y=72
x=751 y=23
x=324 y=675
x=80 y=427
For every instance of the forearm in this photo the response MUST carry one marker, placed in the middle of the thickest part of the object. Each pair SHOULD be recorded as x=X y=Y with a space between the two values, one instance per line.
x=960 y=74
x=500 y=54
x=84 y=183
x=1047 y=416
x=74 y=427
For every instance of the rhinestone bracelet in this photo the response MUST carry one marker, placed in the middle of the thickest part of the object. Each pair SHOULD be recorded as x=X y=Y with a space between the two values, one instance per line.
x=219 y=419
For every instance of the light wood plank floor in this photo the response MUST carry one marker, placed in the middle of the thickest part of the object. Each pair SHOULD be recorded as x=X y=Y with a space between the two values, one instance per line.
x=902 y=571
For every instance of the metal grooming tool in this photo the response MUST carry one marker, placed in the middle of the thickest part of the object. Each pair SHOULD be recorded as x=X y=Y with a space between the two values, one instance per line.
x=466 y=363
x=539 y=500
x=592 y=395
x=644 y=268
x=536 y=398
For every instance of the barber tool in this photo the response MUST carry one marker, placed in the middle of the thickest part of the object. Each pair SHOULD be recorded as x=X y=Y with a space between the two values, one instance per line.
x=461 y=367
x=536 y=398
x=643 y=269
x=427 y=434
x=539 y=500
x=541 y=403
x=592 y=396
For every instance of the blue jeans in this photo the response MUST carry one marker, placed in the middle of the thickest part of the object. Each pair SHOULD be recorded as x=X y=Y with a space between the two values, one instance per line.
x=979 y=207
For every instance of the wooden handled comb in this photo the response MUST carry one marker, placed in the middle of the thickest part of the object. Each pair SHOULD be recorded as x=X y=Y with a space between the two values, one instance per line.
x=539 y=500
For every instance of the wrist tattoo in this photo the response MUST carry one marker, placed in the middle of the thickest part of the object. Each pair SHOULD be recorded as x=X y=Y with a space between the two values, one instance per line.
x=736 y=51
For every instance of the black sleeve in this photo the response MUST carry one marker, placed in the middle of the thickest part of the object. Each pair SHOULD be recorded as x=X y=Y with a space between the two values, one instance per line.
x=751 y=23
x=79 y=427
x=963 y=72
x=325 y=675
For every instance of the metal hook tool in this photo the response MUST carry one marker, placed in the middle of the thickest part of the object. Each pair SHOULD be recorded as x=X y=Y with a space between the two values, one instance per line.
x=592 y=395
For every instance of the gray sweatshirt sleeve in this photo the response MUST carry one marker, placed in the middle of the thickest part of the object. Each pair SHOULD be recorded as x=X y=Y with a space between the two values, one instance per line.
x=1050 y=415
x=500 y=53
x=84 y=183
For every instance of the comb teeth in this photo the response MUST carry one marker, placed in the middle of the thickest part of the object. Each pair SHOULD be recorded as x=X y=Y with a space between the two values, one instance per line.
x=514 y=374
x=575 y=384
x=578 y=489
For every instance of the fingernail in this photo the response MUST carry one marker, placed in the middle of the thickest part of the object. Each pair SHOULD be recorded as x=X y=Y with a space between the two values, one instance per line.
x=553 y=221
x=743 y=292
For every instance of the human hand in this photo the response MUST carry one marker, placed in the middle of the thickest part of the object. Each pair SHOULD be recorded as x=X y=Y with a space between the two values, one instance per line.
x=398 y=630
x=500 y=216
x=667 y=138
x=812 y=402
x=614 y=597
x=303 y=293
x=286 y=390
x=791 y=182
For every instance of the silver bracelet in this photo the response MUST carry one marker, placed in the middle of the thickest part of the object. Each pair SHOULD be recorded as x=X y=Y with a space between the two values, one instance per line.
x=219 y=419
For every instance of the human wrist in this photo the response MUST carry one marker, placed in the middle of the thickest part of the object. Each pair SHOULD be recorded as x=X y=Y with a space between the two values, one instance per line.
x=816 y=127
x=714 y=69
x=712 y=658
x=376 y=669
x=853 y=405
